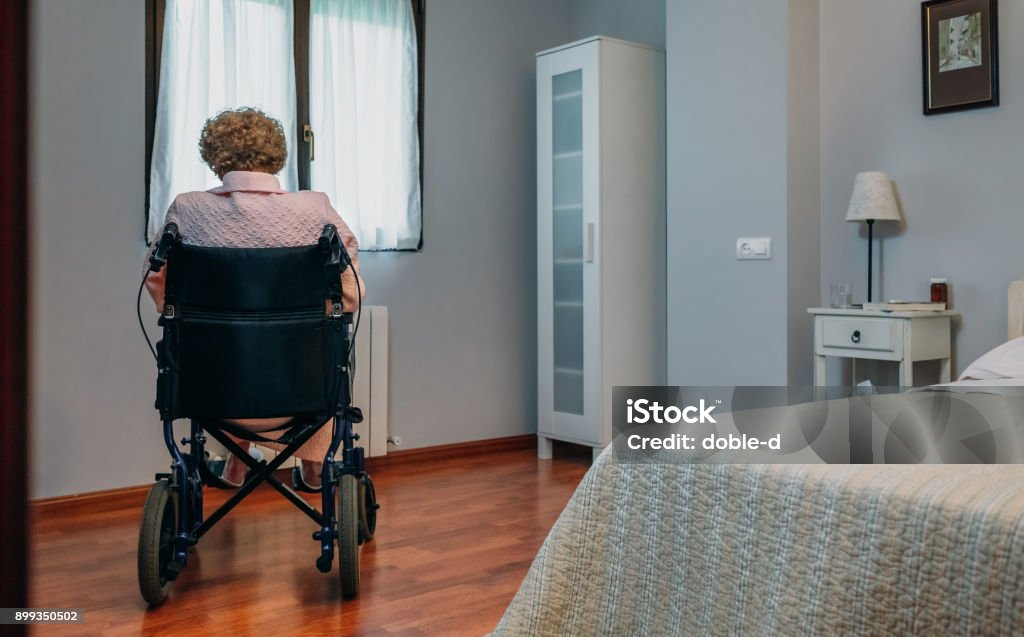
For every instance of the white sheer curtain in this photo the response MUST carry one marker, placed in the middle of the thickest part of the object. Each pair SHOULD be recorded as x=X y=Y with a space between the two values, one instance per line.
x=217 y=54
x=363 y=104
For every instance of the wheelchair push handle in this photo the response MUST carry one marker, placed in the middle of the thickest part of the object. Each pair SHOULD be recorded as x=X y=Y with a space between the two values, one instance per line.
x=167 y=239
x=328 y=237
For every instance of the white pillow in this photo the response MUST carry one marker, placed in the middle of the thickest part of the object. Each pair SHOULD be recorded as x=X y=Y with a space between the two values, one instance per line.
x=1005 y=361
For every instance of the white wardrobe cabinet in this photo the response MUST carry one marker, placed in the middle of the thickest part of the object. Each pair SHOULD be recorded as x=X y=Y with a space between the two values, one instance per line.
x=600 y=233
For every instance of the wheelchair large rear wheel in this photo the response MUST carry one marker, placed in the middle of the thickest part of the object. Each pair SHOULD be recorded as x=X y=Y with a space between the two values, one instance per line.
x=367 y=509
x=348 y=534
x=156 y=543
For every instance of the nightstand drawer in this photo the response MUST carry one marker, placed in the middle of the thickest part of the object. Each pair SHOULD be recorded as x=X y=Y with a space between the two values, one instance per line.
x=859 y=333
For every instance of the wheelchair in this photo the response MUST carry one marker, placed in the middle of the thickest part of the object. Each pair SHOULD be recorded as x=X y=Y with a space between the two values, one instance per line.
x=253 y=333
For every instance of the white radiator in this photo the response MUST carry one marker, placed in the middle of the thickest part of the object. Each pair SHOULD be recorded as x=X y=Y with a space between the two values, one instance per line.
x=370 y=385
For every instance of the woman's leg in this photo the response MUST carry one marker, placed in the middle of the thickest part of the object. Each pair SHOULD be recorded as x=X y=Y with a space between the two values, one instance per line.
x=311 y=470
x=312 y=453
x=235 y=469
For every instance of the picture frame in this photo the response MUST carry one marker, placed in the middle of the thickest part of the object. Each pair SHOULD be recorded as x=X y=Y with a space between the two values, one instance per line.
x=960 y=55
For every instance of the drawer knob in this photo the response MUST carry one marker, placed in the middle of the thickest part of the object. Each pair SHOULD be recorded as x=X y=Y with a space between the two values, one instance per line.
x=855 y=337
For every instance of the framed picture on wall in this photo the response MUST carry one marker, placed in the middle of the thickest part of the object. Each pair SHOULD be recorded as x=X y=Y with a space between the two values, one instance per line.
x=961 y=55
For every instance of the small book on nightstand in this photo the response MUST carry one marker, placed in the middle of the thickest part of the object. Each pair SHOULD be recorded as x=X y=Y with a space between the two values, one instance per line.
x=905 y=306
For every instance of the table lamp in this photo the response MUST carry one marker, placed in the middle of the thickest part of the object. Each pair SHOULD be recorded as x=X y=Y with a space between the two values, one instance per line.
x=873 y=200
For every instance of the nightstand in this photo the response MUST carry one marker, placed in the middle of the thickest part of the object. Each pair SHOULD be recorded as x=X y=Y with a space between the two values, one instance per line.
x=901 y=337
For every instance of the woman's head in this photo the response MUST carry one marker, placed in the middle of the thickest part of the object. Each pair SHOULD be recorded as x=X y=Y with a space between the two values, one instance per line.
x=243 y=139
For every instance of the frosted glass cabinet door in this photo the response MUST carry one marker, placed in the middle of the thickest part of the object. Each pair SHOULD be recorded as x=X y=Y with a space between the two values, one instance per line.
x=567 y=240
x=567 y=167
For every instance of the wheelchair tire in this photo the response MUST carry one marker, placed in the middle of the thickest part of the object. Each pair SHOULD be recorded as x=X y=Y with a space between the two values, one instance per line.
x=348 y=534
x=367 y=509
x=156 y=543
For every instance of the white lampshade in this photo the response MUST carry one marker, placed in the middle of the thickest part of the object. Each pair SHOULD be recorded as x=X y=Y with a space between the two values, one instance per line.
x=873 y=199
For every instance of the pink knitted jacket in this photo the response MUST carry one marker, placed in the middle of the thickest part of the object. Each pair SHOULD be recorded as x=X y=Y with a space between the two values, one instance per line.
x=251 y=211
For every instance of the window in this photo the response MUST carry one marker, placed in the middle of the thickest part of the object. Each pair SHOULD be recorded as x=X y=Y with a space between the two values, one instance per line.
x=344 y=77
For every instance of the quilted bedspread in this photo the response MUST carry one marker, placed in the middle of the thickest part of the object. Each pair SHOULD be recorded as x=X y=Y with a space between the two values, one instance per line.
x=781 y=550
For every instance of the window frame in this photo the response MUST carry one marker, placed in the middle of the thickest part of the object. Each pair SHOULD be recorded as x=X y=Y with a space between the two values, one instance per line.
x=155 y=10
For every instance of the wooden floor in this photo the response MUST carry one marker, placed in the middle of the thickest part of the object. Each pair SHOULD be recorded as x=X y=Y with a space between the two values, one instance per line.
x=454 y=540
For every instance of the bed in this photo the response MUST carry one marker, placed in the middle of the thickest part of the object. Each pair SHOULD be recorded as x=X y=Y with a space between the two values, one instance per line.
x=771 y=549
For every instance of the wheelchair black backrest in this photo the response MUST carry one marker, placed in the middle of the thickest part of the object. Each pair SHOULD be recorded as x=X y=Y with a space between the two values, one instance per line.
x=250 y=333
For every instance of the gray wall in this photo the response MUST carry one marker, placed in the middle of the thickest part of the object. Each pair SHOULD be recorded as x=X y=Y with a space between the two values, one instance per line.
x=743 y=160
x=463 y=311
x=958 y=175
x=93 y=423
x=635 y=20
x=726 y=92
x=772 y=148
x=803 y=257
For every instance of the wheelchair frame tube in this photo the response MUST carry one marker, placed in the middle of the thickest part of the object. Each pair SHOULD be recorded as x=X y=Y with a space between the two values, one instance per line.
x=182 y=538
x=292 y=497
x=341 y=436
x=263 y=472
x=329 y=485
x=198 y=454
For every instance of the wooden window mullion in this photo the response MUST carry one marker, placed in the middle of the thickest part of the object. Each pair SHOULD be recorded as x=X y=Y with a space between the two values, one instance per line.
x=301 y=48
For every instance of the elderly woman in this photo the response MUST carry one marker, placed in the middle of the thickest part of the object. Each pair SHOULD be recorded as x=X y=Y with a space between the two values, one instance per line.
x=246 y=149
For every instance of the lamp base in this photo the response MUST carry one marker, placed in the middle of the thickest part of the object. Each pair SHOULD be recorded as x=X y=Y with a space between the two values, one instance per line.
x=871 y=227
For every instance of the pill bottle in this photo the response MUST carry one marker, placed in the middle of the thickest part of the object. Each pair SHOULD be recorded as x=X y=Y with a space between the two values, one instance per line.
x=940 y=290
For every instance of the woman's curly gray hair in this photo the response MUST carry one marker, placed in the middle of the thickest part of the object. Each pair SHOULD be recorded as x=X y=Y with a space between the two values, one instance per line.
x=243 y=139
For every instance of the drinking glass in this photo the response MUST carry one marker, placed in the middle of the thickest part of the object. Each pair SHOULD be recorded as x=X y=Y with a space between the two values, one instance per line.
x=841 y=295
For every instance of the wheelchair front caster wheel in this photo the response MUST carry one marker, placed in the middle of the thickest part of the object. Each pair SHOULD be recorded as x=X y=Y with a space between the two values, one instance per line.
x=156 y=544
x=348 y=534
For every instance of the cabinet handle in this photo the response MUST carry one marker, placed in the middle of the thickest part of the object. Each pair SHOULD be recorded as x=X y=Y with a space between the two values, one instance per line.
x=590 y=243
x=855 y=337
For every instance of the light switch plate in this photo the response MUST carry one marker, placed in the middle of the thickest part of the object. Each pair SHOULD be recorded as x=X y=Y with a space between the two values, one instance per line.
x=751 y=248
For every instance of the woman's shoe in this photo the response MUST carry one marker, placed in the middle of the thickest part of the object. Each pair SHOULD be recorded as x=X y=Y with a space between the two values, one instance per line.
x=299 y=483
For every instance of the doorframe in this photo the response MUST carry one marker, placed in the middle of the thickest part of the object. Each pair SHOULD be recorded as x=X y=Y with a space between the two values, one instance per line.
x=14 y=298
